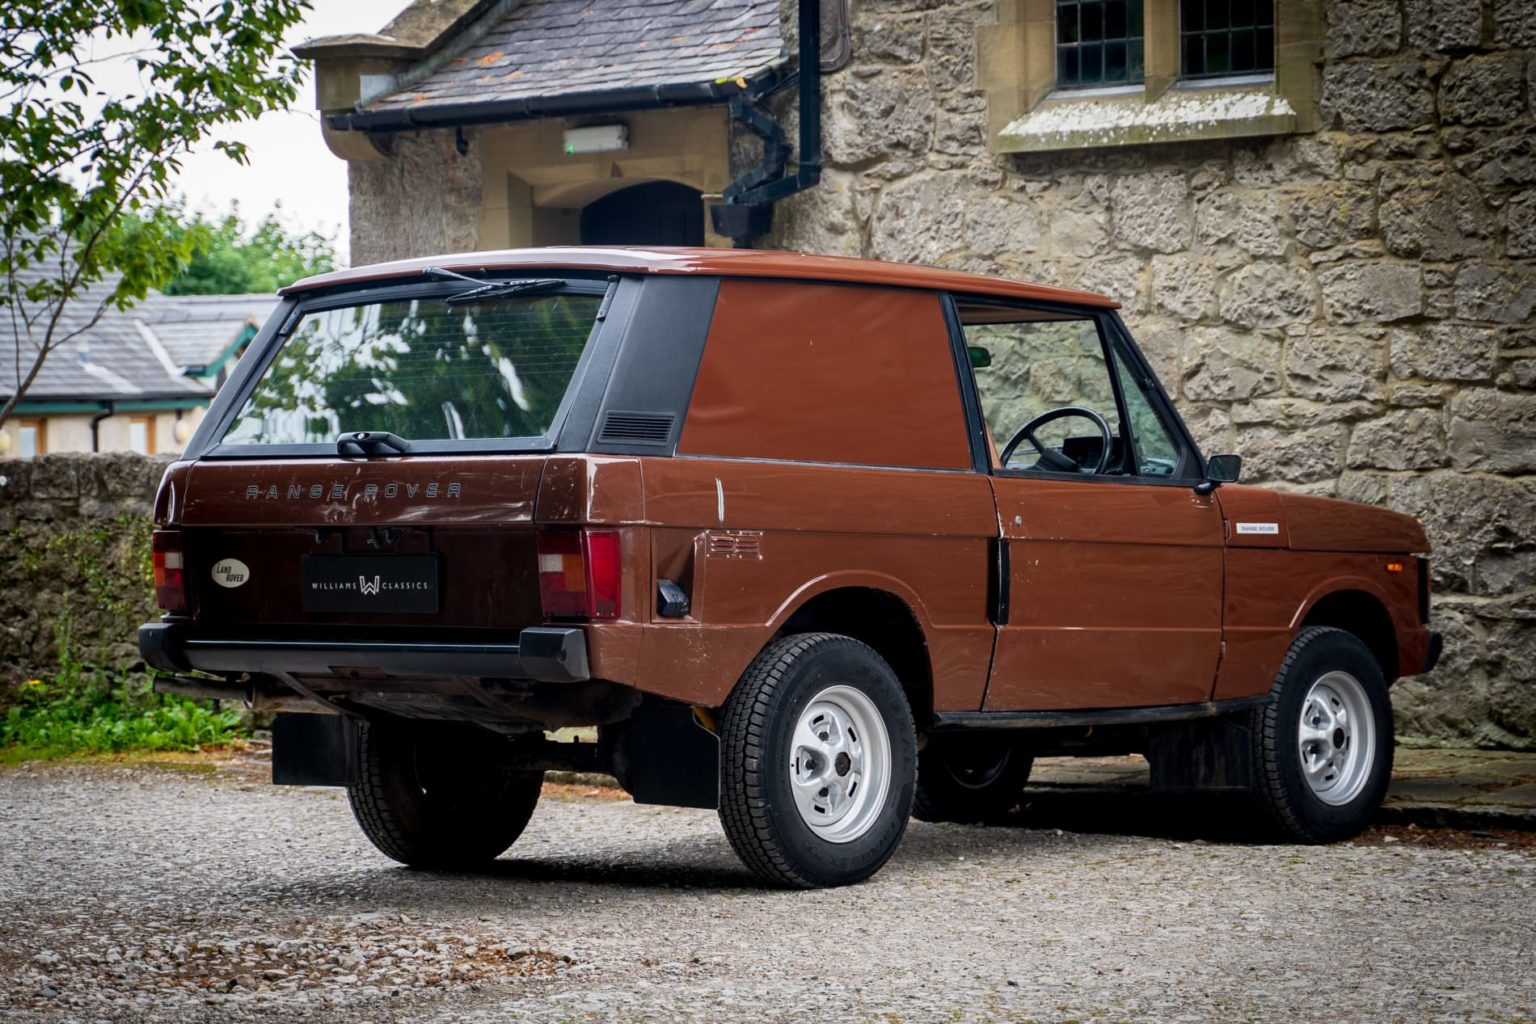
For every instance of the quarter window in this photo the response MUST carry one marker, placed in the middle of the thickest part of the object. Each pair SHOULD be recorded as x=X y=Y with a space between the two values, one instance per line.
x=1227 y=37
x=1098 y=42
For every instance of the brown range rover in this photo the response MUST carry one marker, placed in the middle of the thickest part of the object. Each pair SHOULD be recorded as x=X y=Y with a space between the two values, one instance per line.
x=818 y=542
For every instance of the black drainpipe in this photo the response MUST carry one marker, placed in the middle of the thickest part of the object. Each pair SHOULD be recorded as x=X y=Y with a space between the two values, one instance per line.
x=110 y=411
x=746 y=210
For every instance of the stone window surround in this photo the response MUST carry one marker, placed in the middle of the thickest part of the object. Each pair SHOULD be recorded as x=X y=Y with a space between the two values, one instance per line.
x=1016 y=67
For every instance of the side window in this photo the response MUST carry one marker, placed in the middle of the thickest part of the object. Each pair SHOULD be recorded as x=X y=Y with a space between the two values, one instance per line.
x=1155 y=444
x=1045 y=388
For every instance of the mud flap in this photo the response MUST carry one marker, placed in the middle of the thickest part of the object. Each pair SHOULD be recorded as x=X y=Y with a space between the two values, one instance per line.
x=1210 y=754
x=664 y=756
x=314 y=750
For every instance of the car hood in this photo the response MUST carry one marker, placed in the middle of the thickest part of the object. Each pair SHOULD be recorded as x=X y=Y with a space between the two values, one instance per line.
x=1328 y=524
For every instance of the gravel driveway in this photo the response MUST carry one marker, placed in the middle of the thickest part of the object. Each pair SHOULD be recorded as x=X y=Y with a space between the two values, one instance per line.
x=134 y=893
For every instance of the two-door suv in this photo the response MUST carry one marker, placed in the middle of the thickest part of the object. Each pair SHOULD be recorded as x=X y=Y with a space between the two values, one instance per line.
x=819 y=542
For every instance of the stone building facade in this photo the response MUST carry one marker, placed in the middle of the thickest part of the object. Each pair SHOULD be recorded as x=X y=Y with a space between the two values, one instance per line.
x=1339 y=282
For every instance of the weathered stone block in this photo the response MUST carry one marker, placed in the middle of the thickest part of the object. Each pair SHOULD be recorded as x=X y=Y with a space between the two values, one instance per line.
x=1184 y=284
x=1494 y=431
x=889 y=38
x=890 y=112
x=1444 y=352
x=917 y=220
x=1453 y=699
x=1296 y=456
x=1002 y=223
x=1297 y=413
x=1512 y=682
x=1515 y=21
x=952 y=52
x=1333 y=367
x=1376 y=96
x=1405 y=439
x=1161 y=341
x=1483 y=90
x=1252 y=222
x=56 y=477
x=1356 y=292
x=1444 y=24
x=15 y=479
x=1520 y=226
x=1268 y=295
x=1363 y=28
x=1434 y=216
x=1506 y=161
x=1120 y=279
x=1466 y=516
x=1343 y=213
x=1221 y=365
x=1153 y=210
x=1075 y=233
x=425 y=199
x=1503 y=293
x=823 y=219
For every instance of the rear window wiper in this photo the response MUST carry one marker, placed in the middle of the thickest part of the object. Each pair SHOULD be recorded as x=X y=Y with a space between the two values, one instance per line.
x=485 y=290
x=371 y=442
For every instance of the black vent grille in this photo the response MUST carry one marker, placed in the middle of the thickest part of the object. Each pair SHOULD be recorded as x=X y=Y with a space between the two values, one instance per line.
x=637 y=427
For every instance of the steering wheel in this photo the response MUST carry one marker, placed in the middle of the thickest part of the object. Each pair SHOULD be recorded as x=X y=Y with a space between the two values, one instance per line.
x=1052 y=458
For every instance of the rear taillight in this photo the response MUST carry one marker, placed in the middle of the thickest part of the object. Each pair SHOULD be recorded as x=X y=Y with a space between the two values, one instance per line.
x=579 y=574
x=170 y=581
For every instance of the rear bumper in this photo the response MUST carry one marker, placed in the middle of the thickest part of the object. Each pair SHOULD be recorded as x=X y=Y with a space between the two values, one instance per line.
x=548 y=654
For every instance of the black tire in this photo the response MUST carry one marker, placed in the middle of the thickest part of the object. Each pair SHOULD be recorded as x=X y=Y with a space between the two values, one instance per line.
x=969 y=779
x=439 y=796
x=1289 y=802
x=757 y=805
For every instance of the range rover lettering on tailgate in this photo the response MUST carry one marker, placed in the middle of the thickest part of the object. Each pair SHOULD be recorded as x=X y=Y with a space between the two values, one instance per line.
x=822 y=543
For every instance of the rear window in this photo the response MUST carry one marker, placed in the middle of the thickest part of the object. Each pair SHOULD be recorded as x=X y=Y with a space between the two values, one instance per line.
x=421 y=368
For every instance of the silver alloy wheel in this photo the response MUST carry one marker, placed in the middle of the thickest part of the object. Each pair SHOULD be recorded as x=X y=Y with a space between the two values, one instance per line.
x=840 y=764
x=1337 y=738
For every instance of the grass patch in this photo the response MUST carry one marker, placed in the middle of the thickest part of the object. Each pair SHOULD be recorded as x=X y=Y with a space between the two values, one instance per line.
x=89 y=711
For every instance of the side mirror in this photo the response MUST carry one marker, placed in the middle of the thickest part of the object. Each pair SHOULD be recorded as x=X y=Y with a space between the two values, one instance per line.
x=1220 y=469
x=1224 y=469
x=980 y=357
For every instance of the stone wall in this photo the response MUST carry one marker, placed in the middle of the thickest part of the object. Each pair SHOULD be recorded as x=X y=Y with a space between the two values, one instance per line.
x=75 y=562
x=1351 y=310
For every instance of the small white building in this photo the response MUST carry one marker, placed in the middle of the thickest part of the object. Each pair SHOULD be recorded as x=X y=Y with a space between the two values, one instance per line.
x=134 y=381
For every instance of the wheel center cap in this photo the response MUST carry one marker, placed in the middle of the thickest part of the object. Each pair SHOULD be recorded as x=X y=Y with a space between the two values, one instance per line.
x=843 y=764
x=1338 y=737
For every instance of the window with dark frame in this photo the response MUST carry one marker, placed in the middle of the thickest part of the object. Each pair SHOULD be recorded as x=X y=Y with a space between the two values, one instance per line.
x=1226 y=37
x=1099 y=42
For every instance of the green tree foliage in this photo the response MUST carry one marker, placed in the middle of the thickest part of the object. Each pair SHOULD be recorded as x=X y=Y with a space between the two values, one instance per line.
x=76 y=160
x=227 y=258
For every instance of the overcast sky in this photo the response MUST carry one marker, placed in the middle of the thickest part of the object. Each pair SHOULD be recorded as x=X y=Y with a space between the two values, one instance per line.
x=288 y=160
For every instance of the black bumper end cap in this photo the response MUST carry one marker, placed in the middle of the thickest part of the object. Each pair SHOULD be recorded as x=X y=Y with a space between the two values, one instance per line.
x=160 y=646
x=554 y=655
x=1432 y=655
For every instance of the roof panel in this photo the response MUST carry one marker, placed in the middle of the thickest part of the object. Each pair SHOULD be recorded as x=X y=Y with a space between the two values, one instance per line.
x=572 y=47
x=724 y=262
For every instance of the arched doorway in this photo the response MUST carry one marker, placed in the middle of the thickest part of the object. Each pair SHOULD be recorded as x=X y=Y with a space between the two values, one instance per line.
x=656 y=213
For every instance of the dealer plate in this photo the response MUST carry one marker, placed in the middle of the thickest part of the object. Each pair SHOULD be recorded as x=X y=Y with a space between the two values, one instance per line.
x=371 y=583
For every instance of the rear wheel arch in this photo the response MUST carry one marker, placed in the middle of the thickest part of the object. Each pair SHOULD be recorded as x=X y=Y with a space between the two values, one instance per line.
x=883 y=621
x=1363 y=615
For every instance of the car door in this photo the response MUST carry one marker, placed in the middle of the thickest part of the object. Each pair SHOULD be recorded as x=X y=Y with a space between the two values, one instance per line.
x=1110 y=561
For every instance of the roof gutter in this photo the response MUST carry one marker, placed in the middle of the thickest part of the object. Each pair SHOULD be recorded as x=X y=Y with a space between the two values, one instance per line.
x=746 y=210
x=456 y=115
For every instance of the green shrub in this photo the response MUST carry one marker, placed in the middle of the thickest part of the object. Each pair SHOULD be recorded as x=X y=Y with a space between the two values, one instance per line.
x=85 y=711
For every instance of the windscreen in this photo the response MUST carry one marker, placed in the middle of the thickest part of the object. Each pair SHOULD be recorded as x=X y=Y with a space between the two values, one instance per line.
x=421 y=368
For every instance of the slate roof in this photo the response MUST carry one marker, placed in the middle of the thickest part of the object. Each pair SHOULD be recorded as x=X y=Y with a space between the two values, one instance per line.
x=569 y=47
x=197 y=329
x=122 y=355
